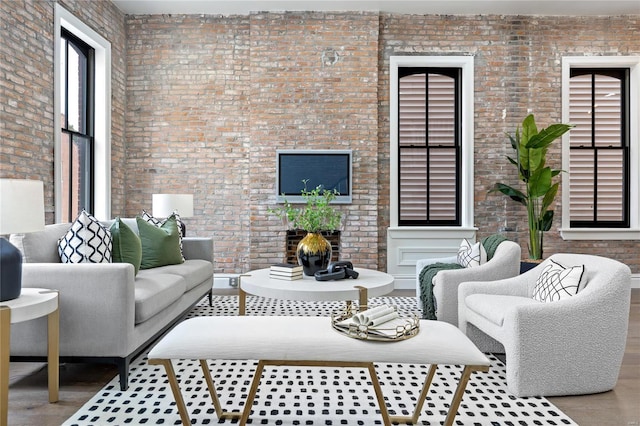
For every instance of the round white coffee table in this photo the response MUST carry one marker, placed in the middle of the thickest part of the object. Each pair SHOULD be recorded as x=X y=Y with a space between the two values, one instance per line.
x=369 y=283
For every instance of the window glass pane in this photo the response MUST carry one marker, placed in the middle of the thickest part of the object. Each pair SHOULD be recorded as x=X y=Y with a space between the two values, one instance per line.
x=442 y=107
x=610 y=185
x=65 y=185
x=63 y=83
x=74 y=93
x=442 y=184
x=412 y=110
x=608 y=111
x=580 y=110
x=413 y=184
x=81 y=174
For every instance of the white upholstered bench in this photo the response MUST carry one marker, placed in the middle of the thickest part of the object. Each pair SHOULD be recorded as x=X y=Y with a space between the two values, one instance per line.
x=311 y=341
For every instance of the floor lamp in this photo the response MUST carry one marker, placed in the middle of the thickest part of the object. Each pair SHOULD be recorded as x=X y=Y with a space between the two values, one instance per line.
x=164 y=205
x=21 y=211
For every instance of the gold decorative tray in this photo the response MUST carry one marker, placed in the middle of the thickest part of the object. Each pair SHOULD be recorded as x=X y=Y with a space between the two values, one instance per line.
x=390 y=331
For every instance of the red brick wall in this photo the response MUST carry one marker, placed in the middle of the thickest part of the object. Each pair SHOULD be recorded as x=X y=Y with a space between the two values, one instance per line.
x=201 y=103
x=210 y=99
x=26 y=84
x=517 y=71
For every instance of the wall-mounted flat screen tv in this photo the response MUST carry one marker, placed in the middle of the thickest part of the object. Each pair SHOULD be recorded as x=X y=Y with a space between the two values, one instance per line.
x=329 y=169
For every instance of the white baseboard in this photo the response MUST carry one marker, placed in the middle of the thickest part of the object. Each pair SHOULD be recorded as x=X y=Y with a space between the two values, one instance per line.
x=225 y=281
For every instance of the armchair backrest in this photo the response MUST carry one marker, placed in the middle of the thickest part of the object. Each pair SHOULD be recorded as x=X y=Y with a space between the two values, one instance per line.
x=604 y=277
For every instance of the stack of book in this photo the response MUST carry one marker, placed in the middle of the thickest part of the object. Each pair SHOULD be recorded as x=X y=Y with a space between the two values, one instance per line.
x=286 y=271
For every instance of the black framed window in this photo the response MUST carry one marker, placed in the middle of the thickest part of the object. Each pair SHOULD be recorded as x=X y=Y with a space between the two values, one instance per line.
x=599 y=148
x=77 y=122
x=429 y=146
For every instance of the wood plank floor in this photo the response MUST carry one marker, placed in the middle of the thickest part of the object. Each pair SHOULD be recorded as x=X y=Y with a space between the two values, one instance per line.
x=28 y=404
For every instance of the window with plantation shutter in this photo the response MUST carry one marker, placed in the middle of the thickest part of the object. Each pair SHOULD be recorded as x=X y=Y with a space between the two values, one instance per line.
x=429 y=153
x=599 y=148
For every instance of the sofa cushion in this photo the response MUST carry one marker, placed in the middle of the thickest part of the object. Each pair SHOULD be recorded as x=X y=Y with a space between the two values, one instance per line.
x=193 y=271
x=557 y=282
x=127 y=247
x=154 y=291
x=86 y=241
x=160 y=245
x=159 y=222
x=40 y=246
x=494 y=307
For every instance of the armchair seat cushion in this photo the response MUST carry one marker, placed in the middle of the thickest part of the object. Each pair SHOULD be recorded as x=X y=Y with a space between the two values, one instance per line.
x=494 y=307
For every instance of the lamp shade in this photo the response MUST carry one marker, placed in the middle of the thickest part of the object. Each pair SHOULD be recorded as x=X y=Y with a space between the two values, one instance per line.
x=21 y=206
x=165 y=204
x=21 y=211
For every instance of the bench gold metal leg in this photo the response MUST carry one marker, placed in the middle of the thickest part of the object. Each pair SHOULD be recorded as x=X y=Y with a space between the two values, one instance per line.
x=252 y=393
x=376 y=386
x=214 y=396
x=462 y=384
x=423 y=396
x=175 y=388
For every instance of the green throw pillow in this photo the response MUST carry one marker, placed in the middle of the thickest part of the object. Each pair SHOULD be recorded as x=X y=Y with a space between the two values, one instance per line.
x=160 y=245
x=127 y=247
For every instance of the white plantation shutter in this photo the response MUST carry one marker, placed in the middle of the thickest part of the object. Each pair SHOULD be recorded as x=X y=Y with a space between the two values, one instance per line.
x=597 y=149
x=428 y=149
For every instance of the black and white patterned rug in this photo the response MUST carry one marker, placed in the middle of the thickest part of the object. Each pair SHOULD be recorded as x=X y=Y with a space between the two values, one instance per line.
x=310 y=395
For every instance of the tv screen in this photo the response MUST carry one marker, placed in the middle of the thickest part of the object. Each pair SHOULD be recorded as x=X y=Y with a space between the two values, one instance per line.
x=329 y=169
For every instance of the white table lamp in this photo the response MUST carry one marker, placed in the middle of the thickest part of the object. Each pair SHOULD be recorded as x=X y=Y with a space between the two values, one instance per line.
x=21 y=211
x=164 y=205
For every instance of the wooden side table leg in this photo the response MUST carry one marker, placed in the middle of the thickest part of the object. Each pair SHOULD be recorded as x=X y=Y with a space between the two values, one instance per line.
x=242 y=301
x=53 y=354
x=5 y=340
x=363 y=300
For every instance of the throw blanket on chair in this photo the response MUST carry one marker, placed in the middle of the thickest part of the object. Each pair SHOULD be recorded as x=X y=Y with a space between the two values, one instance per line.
x=490 y=243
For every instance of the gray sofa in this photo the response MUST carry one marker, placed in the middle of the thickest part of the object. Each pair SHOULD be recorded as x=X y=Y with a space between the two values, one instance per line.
x=106 y=313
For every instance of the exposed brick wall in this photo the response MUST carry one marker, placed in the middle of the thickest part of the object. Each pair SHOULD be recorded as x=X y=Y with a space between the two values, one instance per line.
x=210 y=99
x=188 y=124
x=26 y=84
x=314 y=86
x=26 y=100
x=517 y=71
x=201 y=103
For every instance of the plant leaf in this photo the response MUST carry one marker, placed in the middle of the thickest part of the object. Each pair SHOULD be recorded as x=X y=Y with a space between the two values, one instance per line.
x=546 y=220
x=549 y=197
x=548 y=135
x=510 y=192
x=540 y=182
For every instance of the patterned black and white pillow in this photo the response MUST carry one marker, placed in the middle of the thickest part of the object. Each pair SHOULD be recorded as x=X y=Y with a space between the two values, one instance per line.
x=470 y=255
x=557 y=282
x=87 y=241
x=157 y=222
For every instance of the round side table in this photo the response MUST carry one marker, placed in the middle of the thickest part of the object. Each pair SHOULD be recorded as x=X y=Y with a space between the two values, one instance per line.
x=33 y=303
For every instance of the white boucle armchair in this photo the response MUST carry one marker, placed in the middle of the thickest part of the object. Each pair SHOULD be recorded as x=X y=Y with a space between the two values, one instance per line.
x=572 y=346
x=505 y=263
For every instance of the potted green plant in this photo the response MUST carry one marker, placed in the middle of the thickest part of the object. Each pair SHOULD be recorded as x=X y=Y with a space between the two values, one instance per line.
x=540 y=190
x=314 y=216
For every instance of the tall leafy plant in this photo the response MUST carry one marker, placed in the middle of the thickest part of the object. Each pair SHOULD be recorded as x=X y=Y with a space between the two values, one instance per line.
x=540 y=190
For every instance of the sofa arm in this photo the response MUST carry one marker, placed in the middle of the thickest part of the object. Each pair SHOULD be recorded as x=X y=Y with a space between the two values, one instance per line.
x=97 y=308
x=198 y=248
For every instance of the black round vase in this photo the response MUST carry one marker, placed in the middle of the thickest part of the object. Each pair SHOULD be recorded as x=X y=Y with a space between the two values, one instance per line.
x=10 y=271
x=314 y=253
